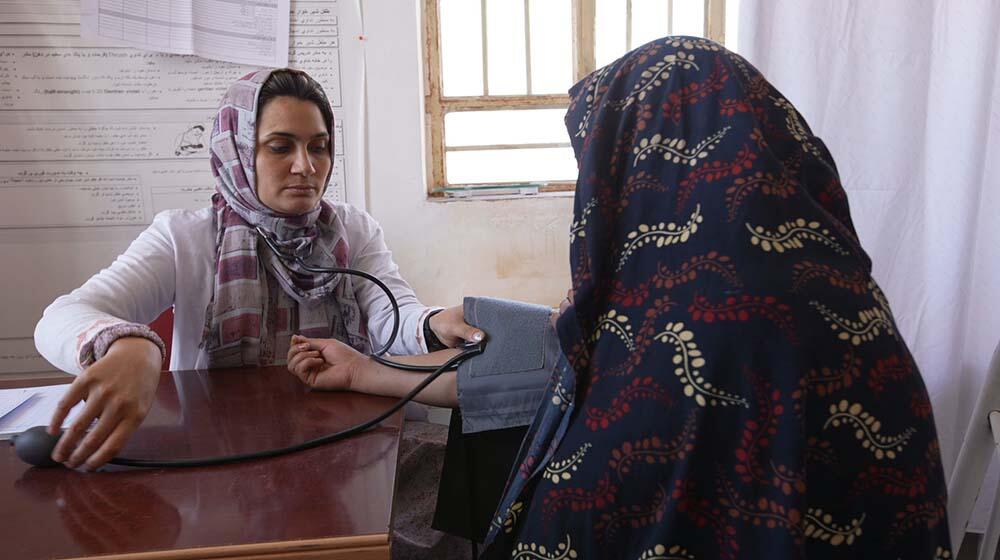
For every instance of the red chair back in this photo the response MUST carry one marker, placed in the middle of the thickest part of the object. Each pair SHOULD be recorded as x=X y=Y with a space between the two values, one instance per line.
x=164 y=327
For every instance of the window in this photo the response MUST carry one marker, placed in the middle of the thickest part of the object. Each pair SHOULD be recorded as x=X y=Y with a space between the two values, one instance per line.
x=496 y=77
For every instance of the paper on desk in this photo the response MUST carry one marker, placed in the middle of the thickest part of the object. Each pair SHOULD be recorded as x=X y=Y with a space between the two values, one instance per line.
x=243 y=32
x=11 y=398
x=34 y=408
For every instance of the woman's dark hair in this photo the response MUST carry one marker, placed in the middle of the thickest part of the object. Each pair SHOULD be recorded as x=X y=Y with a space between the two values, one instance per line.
x=295 y=83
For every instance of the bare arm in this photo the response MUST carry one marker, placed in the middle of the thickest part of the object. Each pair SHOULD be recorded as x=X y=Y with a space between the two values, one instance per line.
x=324 y=363
x=379 y=379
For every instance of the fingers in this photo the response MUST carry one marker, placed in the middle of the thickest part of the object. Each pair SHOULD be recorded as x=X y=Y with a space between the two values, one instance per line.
x=298 y=339
x=563 y=306
x=309 y=358
x=293 y=350
x=450 y=327
x=308 y=369
x=76 y=430
x=77 y=392
x=470 y=333
x=462 y=329
x=303 y=361
x=311 y=365
x=114 y=443
x=108 y=421
x=567 y=302
x=311 y=371
x=301 y=345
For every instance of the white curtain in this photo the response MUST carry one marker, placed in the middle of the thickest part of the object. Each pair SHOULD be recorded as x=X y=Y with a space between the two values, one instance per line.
x=906 y=94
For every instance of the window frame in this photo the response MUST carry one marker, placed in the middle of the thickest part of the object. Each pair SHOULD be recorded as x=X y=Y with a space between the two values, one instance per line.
x=436 y=105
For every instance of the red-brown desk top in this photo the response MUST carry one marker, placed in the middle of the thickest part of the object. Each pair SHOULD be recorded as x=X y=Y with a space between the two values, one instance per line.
x=332 y=501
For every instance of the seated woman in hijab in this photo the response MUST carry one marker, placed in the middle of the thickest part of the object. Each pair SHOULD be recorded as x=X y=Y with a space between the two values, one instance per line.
x=733 y=384
x=235 y=302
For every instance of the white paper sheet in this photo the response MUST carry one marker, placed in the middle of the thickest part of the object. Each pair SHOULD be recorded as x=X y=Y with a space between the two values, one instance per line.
x=11 y=399
x=241 y=32
x=35 y=409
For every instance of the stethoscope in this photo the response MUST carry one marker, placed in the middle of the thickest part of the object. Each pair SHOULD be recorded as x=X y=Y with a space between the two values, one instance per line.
x=35 y=445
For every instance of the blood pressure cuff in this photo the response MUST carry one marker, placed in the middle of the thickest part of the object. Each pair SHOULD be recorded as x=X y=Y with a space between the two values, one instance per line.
x=503 y=386
x=499 y=392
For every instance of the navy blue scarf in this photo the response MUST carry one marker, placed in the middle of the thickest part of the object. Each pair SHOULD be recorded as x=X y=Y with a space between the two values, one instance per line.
x=734 y=385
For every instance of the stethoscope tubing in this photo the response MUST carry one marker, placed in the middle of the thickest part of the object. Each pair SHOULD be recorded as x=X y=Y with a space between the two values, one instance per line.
x=436 y=372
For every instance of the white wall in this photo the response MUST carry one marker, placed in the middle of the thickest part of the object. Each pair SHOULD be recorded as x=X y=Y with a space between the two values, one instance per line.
x=515 y=249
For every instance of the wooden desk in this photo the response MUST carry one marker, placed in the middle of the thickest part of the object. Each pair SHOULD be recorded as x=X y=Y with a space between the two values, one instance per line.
x=329 y=502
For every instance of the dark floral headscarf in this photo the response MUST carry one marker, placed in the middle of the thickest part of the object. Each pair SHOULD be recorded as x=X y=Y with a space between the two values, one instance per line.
x=734 y=383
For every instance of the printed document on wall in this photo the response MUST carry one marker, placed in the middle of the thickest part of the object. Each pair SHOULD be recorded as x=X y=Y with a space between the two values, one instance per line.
x=241 y=32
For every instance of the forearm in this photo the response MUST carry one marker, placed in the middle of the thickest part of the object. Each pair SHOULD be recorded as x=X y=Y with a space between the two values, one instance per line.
x=135 y=288
x=378 y=379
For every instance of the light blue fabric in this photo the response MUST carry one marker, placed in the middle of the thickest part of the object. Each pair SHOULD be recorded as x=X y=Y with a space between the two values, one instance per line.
x=502 y=387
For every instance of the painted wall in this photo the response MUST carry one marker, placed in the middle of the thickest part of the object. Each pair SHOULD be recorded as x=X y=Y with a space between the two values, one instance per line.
x=517 y=248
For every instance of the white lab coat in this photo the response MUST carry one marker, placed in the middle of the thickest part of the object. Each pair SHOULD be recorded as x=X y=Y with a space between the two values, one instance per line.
x=172 y=263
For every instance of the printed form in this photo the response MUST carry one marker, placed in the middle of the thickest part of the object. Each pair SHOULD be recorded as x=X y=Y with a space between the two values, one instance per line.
x=244 y=32
x=96 y=139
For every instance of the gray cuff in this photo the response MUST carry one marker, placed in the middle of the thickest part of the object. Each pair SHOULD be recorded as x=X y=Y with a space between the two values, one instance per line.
x=503 y=387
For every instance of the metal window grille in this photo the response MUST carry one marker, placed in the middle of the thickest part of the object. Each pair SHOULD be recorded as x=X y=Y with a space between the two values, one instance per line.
x=437 y=105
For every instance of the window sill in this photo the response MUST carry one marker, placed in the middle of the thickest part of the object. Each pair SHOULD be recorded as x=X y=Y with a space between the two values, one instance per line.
x=503 y=191
x=441 y=198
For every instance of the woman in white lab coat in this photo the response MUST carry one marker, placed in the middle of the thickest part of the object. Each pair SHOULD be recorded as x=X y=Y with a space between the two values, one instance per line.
x=235 y=302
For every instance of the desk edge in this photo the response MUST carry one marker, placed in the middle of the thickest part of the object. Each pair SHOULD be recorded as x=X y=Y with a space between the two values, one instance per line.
x=278 y=549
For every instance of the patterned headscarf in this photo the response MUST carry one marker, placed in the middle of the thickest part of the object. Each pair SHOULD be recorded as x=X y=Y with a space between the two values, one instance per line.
x=734 y=383
x=258 y=300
